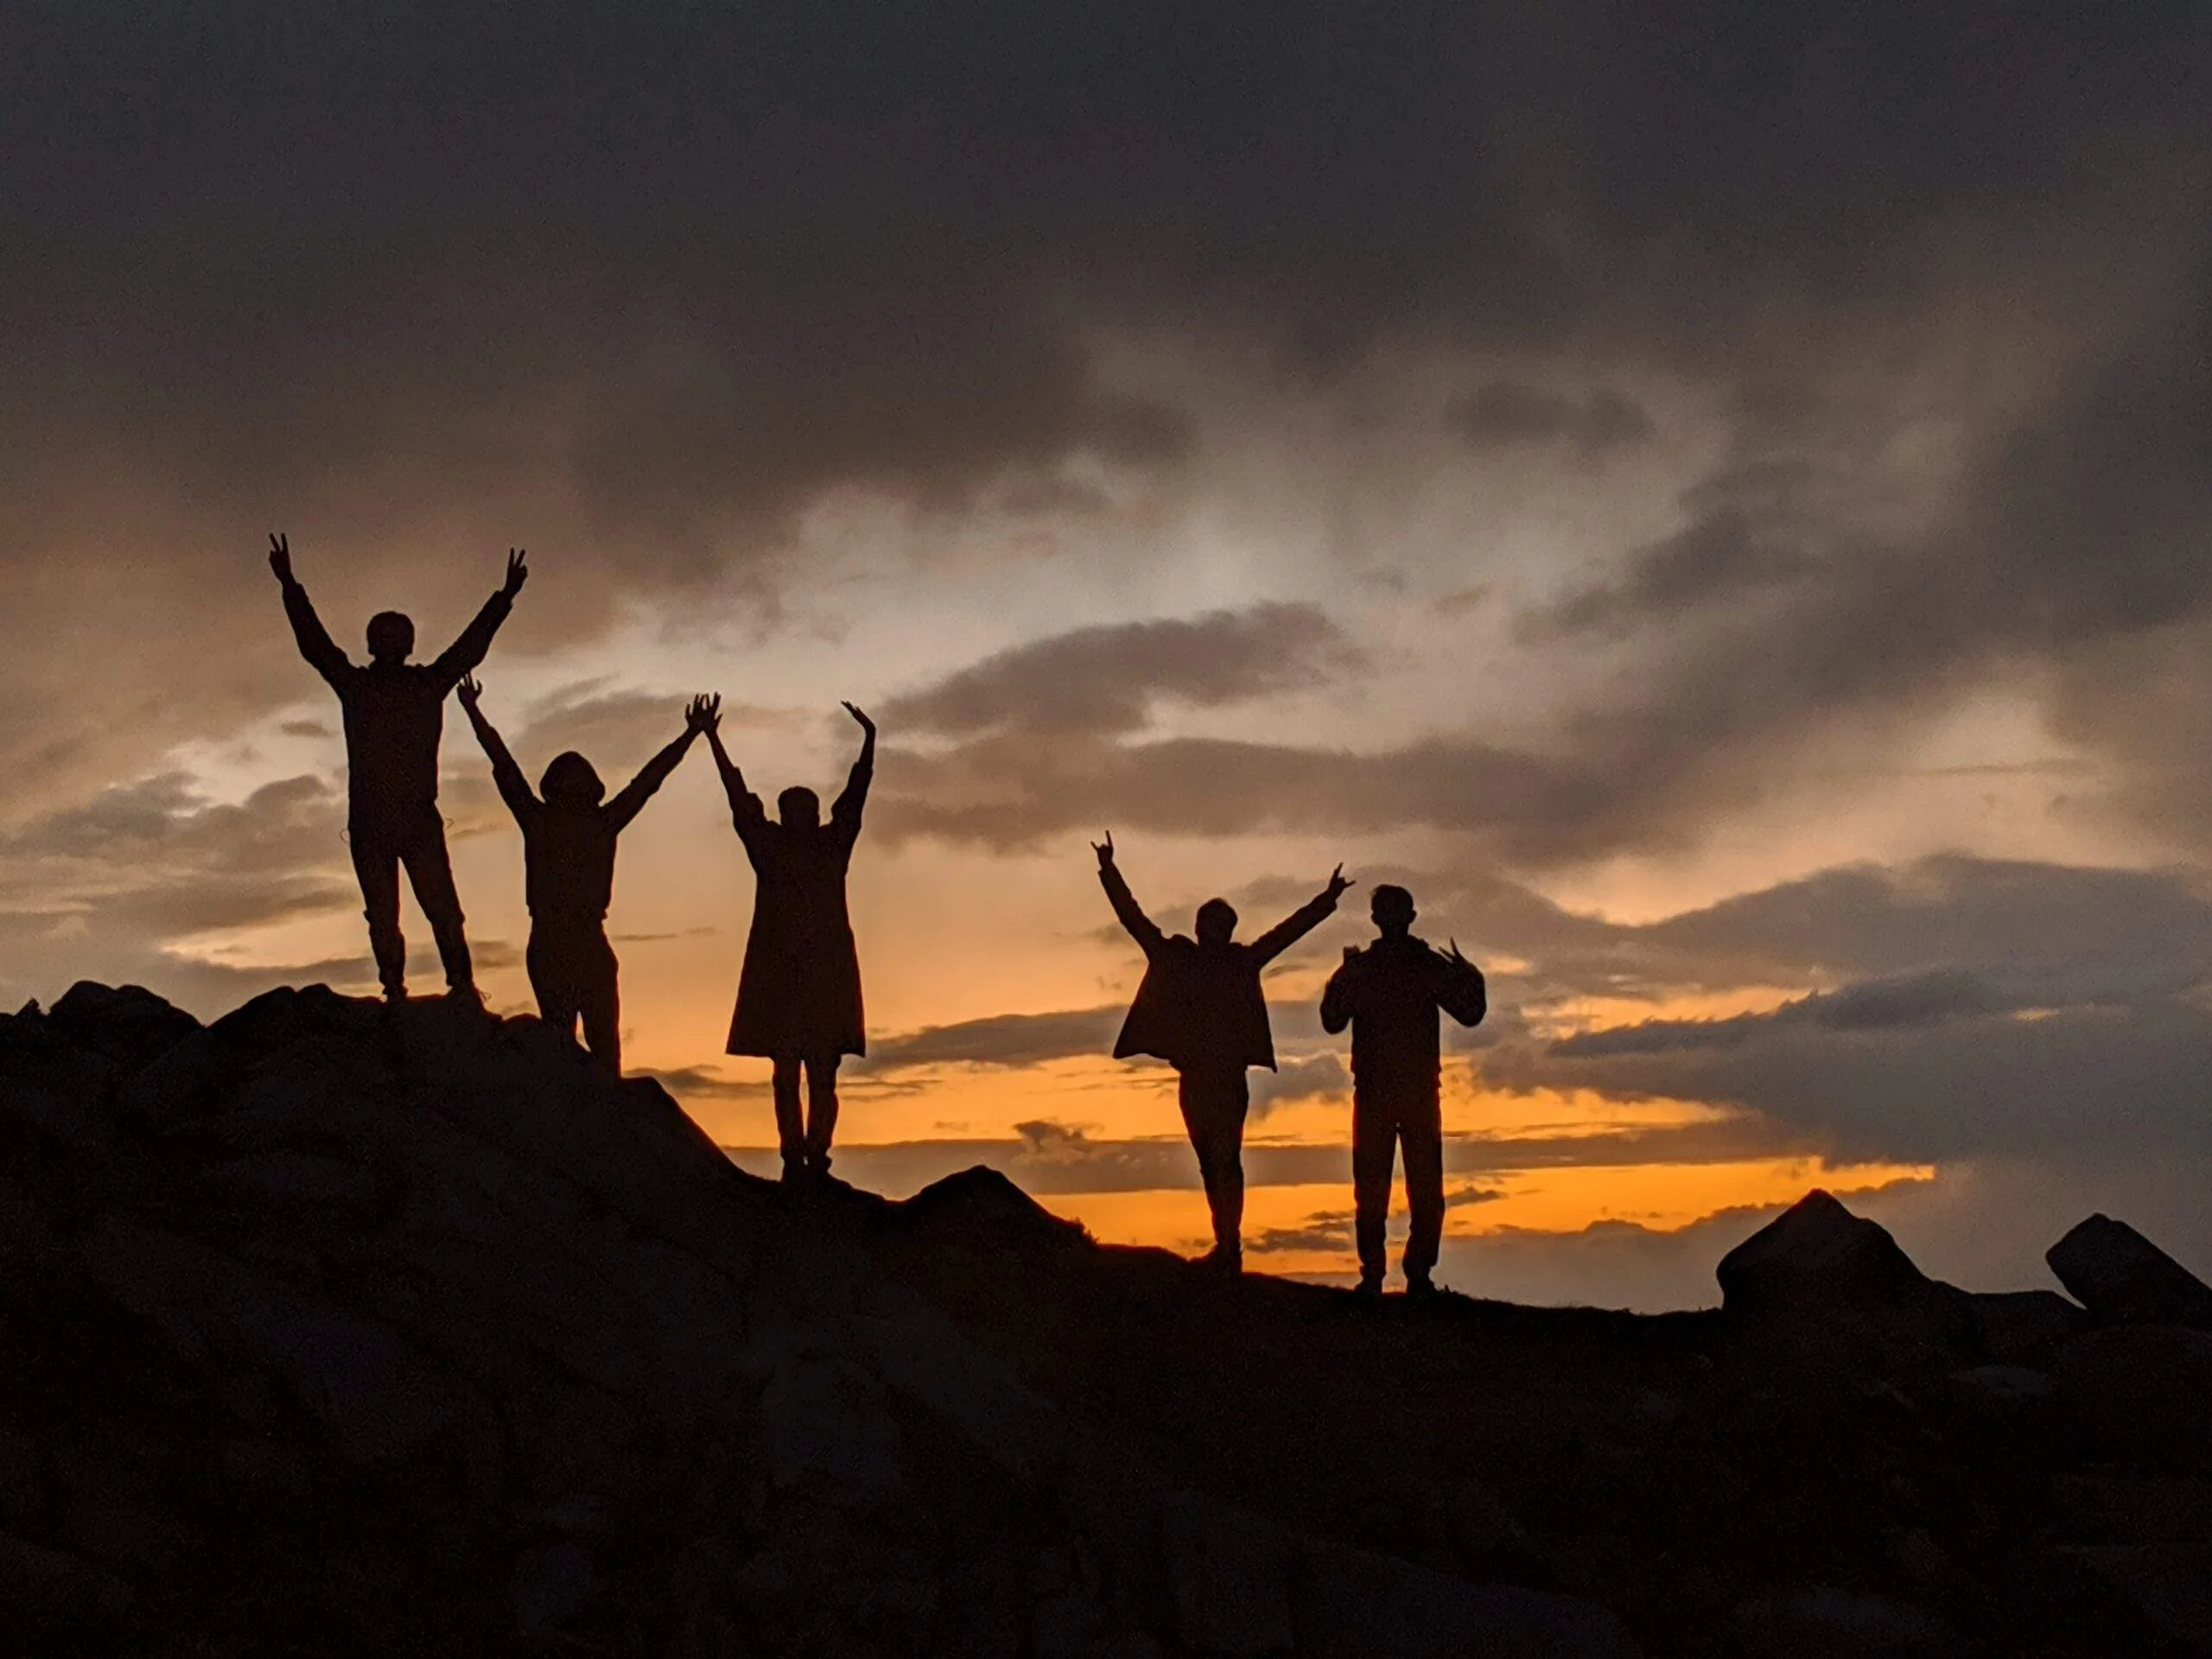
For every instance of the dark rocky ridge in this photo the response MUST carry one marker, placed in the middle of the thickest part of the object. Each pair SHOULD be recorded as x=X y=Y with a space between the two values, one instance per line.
x=332 y=1329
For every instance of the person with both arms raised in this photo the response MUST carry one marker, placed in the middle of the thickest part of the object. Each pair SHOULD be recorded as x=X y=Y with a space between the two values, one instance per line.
x=395 y=716
x=1199 y=1008
x=568 y=840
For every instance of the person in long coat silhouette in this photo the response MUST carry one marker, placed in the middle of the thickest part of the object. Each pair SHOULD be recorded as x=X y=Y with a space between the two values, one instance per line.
x=1199 y=1008
x=567 y=840
x=395 y=716
x=799 y=995
x=1389 y=994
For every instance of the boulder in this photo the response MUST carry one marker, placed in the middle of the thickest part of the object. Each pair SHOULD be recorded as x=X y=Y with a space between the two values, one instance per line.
x=127 y=1023
x=1817 y=1257
x=2023 y=1327
x=2121 y=1277
x=2143 y=1393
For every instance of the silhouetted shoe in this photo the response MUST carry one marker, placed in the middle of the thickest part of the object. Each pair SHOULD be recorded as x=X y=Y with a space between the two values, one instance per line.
x=1419 y=1285
x=1370 y=1285
x=1227 y=1261
x=795 y=1170
x=395 y=995
x=465 y=996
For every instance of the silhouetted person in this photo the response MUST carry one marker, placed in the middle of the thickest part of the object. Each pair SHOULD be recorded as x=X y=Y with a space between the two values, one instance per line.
x=1199 y=1008
x=567 y=843
x=395 y=714
x=1389 y=994
x=799 y=998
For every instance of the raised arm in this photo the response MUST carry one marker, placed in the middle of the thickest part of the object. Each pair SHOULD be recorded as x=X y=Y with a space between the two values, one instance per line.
x=698 y=715
x=315 y=642
x=1301 y=921
x=465 y=653
x=1462 y=993
x=853 y=800
x=514 y=788
x=1141 y=927
x=745 y=808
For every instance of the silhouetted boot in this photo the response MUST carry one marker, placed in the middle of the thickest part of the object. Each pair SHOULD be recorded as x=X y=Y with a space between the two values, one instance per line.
x=1224 y=1258
x=1370 y=1285
x=795 y=1169
x=1419 y=1285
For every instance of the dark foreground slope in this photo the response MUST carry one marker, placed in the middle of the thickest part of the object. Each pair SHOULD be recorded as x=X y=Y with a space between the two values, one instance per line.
x=336 y=1329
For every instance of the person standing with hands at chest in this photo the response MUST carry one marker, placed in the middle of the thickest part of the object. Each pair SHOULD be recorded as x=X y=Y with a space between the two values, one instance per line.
x=1389 y=994
x=1200 y=1008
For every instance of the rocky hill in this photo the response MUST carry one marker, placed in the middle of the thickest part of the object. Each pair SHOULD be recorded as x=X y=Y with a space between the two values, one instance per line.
x=330 y=1328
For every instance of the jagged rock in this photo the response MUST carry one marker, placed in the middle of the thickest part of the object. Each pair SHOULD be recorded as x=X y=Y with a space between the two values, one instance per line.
x=1348 y=1604
x=1821 y=1623
x=2121 y=1277
x=2143 y=1392
x=2023 y=1327
x=2105 y=1509
x=1816 y=1257
x=982 y=1205
x=127 y=1023
x=2166 y=1589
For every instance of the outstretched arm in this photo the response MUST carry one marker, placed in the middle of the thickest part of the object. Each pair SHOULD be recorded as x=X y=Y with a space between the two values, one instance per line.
x=514 y=788
x=465 y=653
x=1301 y=921
x=745 y=808
x=315 y=642
x=1140 y=927
x=633 y=796
x=846 y=814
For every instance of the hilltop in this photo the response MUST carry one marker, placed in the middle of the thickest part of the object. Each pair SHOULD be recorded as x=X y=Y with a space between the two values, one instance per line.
x=334 y=1328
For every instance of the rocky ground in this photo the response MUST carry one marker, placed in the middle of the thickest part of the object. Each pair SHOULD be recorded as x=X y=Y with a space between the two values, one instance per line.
x=334 y=1329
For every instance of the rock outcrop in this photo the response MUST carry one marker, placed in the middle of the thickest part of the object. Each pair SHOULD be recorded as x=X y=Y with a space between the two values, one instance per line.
x=334 y=1328
x=2122 y=1278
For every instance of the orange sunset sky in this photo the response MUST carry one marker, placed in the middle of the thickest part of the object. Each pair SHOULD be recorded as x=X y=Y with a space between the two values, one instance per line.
x=1720 y=508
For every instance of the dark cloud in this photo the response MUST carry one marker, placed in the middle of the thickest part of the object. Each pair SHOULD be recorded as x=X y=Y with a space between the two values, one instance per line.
x=1503 y=413
x=1106 y=681
x=999 y=1039
x=1322 y=1076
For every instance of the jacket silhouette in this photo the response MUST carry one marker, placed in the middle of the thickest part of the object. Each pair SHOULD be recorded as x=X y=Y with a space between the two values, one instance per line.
x=798 y=995
x=567 y=840
x=1389 y=994
x=394 y=713
x=1200 y=1008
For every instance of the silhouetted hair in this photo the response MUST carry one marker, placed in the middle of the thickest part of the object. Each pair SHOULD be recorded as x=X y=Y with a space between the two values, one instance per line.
x=392 y=636
x=1391 y=907
x=1216 y=921
x=570 y=778
x=799 y=805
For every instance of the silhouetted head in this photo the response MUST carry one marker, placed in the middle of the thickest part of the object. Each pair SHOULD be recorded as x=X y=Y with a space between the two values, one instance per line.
x=800 y=807
x=1392 y=908
x=1216 y=921
x=571 y=781
x=392 y=637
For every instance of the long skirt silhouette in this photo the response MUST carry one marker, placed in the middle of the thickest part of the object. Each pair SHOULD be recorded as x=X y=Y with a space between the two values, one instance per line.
x=799 y=993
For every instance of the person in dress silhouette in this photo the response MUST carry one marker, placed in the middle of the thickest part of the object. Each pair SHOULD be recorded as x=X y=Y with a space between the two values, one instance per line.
x=567 y=842
x=1199 y=1008
x=394 y=717
x=1389 y=994
x=799 y=995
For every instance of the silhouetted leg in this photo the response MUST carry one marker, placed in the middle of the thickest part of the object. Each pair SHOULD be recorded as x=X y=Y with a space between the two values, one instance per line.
x=550 y=983
x=431 y=872
x=821 y=1109
x=1422 y=1131
x=601 y=1003
x=1214 y=1103
x=1374 y=1149
x=376 y=865
x=791 y=1128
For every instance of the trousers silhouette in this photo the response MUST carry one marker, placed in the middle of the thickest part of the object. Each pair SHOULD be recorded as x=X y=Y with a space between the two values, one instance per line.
x=1214 y=1102
x=1383 y=1120
x=418 y=843
x=804 y=1141
x=574 y=975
